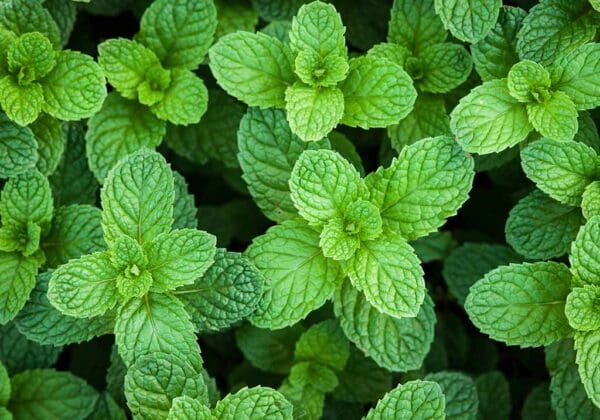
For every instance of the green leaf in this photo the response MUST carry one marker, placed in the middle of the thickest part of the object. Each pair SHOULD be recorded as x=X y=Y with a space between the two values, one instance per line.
x=306 y=375
x=179 y=257
x=120 y=127
x=51 y=141
x=137 y=198
x=470 y=262
x=396 y=344
x=18 y=148
x=324 y=343
x=64 y=14
x=308 y=401
x=323 y=184
x=179 y=32
x=43 y=323
x=585 y=254
x=43 y=394
x=389 y=273
x=539 y=227
x=489 y=120
x=318 y=27
x=279 y=29
x=271 y=351
x=184 y=207
x=155 y=380
x=186 y=408
x=26 y=199
x=587 y=346
x=590 y=200
x=427 y=119
x=493 y=393
x=459 y=392
x=413 y=399
x=254 y=404
x=22 y=103
x=562 y=170
x=126 y=252
x=185 y=100
x=155 y=323
x=106 y=408
x=316 y=71
x=376 y=93
x=17 y=353
x=336 y=243
x=528 y=82
x=76 y=230
x=434 y=247
x=575 y=74
x=22 y=16
x=537 y=405
x=555 y=118
x=273 y=10
x=415 y=26
x=254 y=68
x=267 y=152
x=468 y=21
x=237 y=15
x=75 y=88
x=495 y=54
x=443 y=67
x=580 y=308
x=555 y=27
x=522 y=304
x=298 y=278
x=428 y=183
x=313 y=112
x=4 y=386
x=30 y=57
x=85 y=287
x=228 y=292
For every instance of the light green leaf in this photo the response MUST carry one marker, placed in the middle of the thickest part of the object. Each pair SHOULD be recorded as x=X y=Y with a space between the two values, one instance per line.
x=528 y=82
x=323 y=184
x=254 y=404
x=443 y=67
x=316 y=71
x=575 y=74
x=30 y=57
x=555 y=27
x=470 y=262
x=428 y=183
x=561 y=169
x=22 y=103
x=155 y=380
x=396 y=344
x=126 y=252
x=318 y=27
x=415 y=25
x=376 y=93
x=267 y=152
x=580 y=308
x=539 y=227
x=459 y=392
x=85 y=287
x=522 y=304
x=228 y=292
x=493 y=393
x=186 y=408
x=414 y=399
x=51 y=140
x=389 y=273
x=470 y=20
x=585 y=253
x=137 y=198
x=324 y=343
x=298 y=278
x=555 y=118
x=497 y=52
x=18 y=148
x=590 y=200
x=155 y=323
x=185 y=100
x=254 y=68
x=18 y=353
x=121 y=127
x=489 y=120
x=26 y=199
x=44 y=394
x=587 y=346
x=43 y=323
x=336 y=242
x=23 y=16
x=179 y=257
x=179 y=32
x=75 y=88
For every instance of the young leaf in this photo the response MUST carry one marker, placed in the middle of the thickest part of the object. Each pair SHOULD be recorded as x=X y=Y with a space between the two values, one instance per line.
x=580 y=308
x=413 y=399
x=555 y=118
x=471 y=20
x=528 y=81
x=318 y=27
x=184 y=101
x=522 y=304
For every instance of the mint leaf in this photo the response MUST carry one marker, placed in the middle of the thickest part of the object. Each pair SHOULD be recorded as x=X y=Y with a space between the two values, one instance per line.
x=254 y=403
x=376 y=93
x=18 y=353
x=493 y=393
x=23 y=16
x=254 y=68
x=587 y=346
x=415 y=26
x=30 y=57
x=119 y=128
x=555 y=118
x=469 y=21
x=227 y=292
x=51 y=138
x=137 y=198
x=26 y=199
x=443 y=67
x=4 y=386
x=179 y=32
x=19 y=274
x=184 y=208
x=396 y=344
x=522 y=304
x=184 y=101
x=580 y=308
x=489 y=119
x=323 y=343
x=585 y=263
x=296 y=282
x=22 y=104
x=18 y=148
x=413 y=399
x=459 y=392
x=590 y=200
x=528 y=81
x=186 y=408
